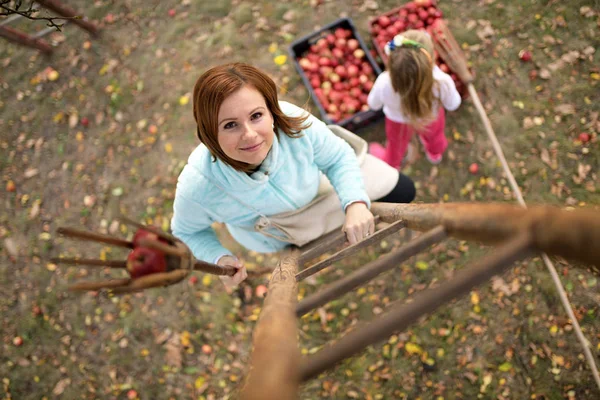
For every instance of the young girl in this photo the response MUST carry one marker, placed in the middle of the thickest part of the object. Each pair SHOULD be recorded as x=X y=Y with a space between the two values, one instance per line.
x=413 y=93
x=259 y=158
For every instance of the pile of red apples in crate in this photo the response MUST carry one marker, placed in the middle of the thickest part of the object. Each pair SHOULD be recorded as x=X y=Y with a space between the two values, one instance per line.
x=340 y=73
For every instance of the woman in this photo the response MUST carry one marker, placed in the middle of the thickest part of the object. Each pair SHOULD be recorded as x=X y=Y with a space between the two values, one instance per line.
x=261 y=158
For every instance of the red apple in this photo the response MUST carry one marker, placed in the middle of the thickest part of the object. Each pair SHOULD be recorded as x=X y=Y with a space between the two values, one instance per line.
x=17 y=341
x=352 y=70
x=145 y=234
x=85 y=122
x=330 y=38
x=340 y=33
x=261 y=291
x=172 y=12
x=193 y=279
x=474 y=168
x=353 y=44
x=324 y=61
x=359 y=53
x=384 y=21
x=399 y=26
x=322 y=44
x=525 y=55
x=423 y=15
x=341 y=71
x=584 y=137
x=143 y=261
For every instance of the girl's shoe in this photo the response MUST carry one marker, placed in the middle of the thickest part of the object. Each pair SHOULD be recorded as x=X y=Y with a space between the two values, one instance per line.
x=434 y=159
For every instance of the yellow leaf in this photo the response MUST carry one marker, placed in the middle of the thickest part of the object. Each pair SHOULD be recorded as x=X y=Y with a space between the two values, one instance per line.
x=280 y=60
x=183 y=100
x=58 y=117
x=145 y=352
x=51 y=267
x=505 y=367
x=595 y=76
x=553 y=329
x=168 y=147
x=185 y=338
x=272 y=48
x=199 y=382
x=103 y=70
x=422 y=265
x=474 y=298
x=206 y=280
x=412 y=348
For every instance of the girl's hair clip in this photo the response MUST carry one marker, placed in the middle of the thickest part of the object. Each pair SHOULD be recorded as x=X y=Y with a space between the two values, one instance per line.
x=400 y=41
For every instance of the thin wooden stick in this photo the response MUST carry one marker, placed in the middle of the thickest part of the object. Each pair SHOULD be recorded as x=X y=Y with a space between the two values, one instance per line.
x=94 y=237
x=98 y=285
x=214 y=269
x=325 y=243
x=348 y=251
x=152 y=280
x=165 y=248
x=90 y=262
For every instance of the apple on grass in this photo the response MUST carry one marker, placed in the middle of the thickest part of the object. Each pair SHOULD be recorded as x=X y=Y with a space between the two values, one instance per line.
x=144 y=261
x=474 y=168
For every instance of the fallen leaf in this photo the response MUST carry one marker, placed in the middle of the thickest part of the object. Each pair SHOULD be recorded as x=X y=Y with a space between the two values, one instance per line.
x=30 y=173
x=173 y=351
x=61 y=386
x=565 y=109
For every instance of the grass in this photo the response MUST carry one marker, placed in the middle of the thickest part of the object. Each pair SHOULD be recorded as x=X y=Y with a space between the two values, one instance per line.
x=492 y=345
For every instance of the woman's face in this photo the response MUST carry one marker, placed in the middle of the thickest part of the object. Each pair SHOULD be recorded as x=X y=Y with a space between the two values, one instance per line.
x=245 y=130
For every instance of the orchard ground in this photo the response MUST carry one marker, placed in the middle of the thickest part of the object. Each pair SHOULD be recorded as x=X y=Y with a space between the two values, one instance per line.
x=111 y=128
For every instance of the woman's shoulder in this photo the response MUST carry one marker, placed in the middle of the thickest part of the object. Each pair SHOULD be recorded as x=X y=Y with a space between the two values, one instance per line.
x=192 y=181
x=291 y=110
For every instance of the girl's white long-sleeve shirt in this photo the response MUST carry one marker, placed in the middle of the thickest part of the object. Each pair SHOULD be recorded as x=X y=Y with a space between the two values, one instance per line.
x=383 y=95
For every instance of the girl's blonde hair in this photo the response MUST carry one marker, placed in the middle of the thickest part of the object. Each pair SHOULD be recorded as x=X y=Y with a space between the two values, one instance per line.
x=411 y=73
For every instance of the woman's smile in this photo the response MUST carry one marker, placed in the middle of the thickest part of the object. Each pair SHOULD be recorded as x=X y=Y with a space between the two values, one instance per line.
x=252 y=148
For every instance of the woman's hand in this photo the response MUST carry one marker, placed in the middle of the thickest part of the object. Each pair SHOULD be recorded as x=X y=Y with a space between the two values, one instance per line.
x=232 y=281
x=359 y=222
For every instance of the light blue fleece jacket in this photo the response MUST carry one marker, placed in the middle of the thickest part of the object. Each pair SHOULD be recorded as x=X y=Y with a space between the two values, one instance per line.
x=287 y=179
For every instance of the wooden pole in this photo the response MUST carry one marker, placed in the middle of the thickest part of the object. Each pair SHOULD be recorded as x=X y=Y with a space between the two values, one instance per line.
x=569 y=234
x=273 y=372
